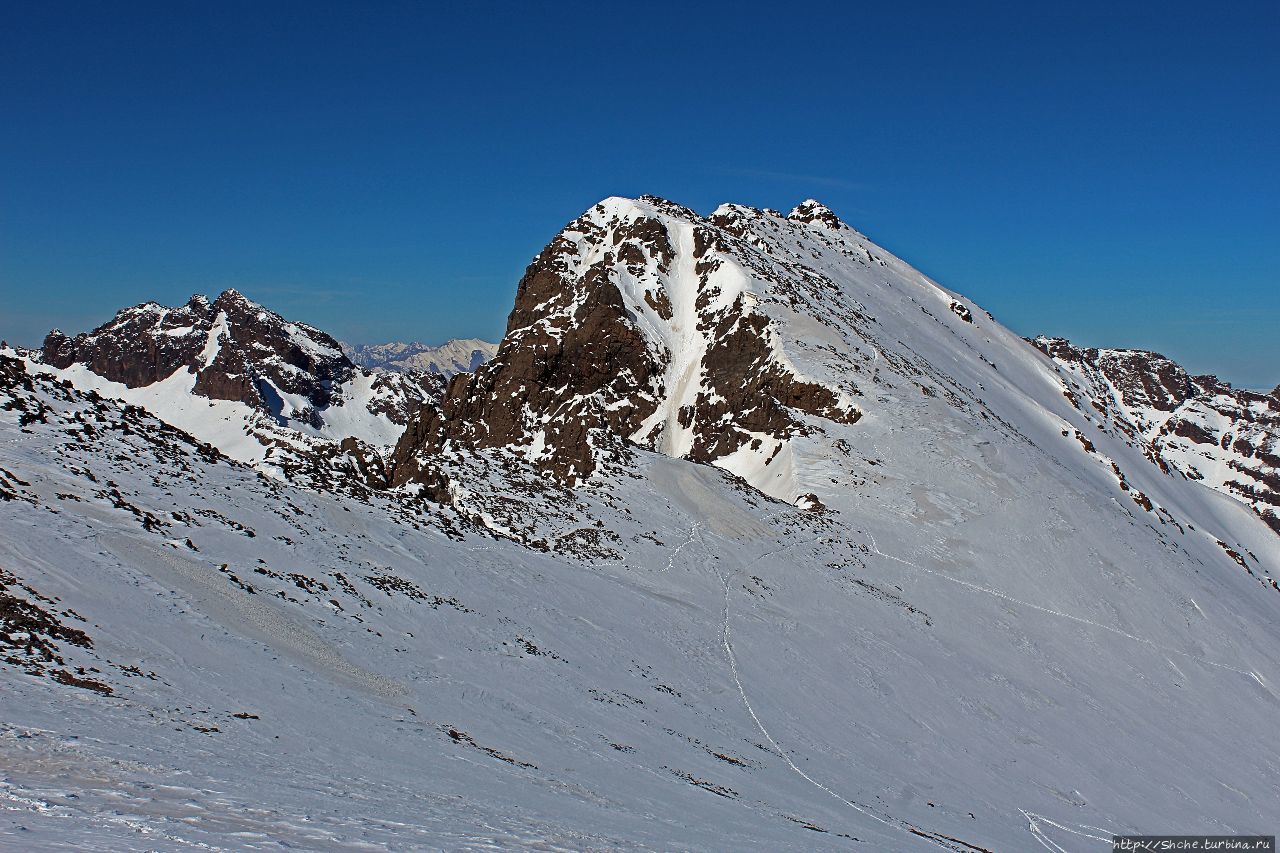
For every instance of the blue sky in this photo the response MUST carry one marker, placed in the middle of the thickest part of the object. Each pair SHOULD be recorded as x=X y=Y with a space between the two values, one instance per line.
x=385 y=171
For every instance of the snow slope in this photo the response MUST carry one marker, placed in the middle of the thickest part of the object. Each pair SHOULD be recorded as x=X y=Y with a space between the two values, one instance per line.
x=241 y=431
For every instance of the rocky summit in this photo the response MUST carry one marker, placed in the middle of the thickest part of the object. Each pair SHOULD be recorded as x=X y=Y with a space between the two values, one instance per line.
x=285 y=381
x=748 y=536
x=236 y=350
x=645 y=324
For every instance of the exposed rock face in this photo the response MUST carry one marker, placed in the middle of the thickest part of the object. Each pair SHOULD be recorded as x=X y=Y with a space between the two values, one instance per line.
x=813 y=211
x=636 y=324
x=141 y=345
x=231 y=344
x=1197 y=426
x=399 y=395
x=571 y=363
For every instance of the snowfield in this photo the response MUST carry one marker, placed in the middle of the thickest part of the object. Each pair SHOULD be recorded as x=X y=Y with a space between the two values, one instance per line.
x=1007 y=630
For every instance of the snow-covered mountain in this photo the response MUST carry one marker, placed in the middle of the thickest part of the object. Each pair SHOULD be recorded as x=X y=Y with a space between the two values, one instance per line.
x=239 y=376
x=750 y=536
x=459 y=355
x=1202 y=428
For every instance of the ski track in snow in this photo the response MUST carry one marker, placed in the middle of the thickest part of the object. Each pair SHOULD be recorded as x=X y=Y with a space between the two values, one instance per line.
x=875 y=549
x=671 y=560
x=1034 y=821
x=726 y=641
x=1033 y=825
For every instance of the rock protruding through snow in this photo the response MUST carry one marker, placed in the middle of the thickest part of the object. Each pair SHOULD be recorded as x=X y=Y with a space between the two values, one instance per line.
x=638 y=324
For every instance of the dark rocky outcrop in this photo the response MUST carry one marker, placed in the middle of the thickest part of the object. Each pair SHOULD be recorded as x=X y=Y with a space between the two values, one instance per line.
x=140 y=345
x=237 y=349
x=579 y=374
x=811 y=210
x=34 y=637
x=569 y=344
x=1144 y=378
x=750 y=392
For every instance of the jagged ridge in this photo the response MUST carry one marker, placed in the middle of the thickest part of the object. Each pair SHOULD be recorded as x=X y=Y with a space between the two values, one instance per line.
x=1198 y=426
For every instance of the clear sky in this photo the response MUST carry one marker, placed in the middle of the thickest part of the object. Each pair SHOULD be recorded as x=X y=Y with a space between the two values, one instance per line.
x=1107 y=171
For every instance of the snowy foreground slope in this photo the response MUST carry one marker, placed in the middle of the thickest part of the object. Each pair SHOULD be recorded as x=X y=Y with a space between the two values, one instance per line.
x=998 y=625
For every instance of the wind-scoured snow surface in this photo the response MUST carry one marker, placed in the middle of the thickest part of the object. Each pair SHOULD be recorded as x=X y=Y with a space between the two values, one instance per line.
x=1009 y=630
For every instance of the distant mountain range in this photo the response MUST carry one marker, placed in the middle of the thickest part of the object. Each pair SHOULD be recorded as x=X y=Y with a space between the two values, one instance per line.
x=460 y=355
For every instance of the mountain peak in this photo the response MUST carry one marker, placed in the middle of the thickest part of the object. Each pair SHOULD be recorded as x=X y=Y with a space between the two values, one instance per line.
x=640 y=323
x=624 y=208
x=234 y=298
x=235 y=350
x=1198 y=425
x=811 y=211
x=926 y=550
